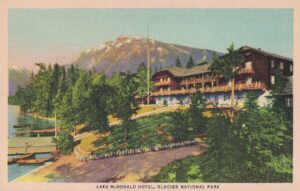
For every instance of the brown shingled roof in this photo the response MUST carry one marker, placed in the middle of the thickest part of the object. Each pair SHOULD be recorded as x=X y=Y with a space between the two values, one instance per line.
x=182 y=72
x=265 y=53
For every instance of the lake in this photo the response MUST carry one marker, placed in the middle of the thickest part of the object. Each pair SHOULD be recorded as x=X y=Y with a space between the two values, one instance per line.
x=15 y=116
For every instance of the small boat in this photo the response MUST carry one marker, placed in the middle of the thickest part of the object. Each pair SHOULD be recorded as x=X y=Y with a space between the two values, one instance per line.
x=22 y=125
x=35 y=161
x=22 y=157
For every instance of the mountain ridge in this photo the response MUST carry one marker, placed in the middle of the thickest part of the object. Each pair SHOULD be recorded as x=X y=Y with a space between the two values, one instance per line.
x=127 y=52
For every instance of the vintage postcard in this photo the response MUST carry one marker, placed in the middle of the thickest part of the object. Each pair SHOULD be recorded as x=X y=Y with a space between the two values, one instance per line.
x=125 y=95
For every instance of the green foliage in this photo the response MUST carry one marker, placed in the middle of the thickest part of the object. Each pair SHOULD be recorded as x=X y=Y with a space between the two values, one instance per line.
x=142 y=82
x=250 y=149
x=227 y=65
x=165 y=103
x=280 y=82
x=186 y=170
x=124 y=102
x=178 y=62
x=181 y=125
x=197 y=121
x=190 y=63
x=149 y=131
x=64 y=141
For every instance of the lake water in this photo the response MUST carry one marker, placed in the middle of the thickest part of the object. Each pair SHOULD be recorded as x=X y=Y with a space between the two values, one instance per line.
x=15 y=116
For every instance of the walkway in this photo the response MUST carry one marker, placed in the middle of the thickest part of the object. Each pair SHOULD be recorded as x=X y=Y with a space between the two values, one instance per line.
x=131 y=168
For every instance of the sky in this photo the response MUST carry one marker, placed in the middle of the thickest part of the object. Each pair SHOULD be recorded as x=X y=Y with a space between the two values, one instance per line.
x=59 y=35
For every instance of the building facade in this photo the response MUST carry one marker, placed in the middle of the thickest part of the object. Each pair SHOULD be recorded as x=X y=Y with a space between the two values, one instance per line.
x=174 y=85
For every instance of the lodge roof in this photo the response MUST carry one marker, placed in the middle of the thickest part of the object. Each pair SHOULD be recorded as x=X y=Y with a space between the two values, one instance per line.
x=244 y=48
x=182 y=72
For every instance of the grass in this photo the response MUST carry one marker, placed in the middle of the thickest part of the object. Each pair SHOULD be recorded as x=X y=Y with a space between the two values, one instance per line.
x=185 y=170
x=143 y=109
x=148 y=131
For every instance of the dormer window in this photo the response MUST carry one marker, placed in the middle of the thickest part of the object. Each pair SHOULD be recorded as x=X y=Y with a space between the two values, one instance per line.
x=272 y=64
x=281 y=65
x=248 y=64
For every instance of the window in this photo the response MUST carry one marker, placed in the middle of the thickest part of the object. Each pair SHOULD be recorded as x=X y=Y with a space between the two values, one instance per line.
x=248 y=65
x=272 y=79
x=291 y=68
x=248 y=80
x=281 y=65
x=272 y=64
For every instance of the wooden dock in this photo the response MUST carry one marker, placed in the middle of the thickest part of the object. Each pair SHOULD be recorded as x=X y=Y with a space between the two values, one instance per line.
x=31 y=144
x=36 y=131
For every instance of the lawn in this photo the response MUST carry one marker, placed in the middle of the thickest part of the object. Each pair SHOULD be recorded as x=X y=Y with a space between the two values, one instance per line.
x=149 y=131
x=185 y=170
x=143 y=109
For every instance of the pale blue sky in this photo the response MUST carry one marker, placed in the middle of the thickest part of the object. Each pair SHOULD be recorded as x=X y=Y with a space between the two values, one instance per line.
x=58 y=35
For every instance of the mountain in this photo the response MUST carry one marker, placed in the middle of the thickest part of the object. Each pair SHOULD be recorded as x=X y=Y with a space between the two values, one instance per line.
x=17 y=77
x=127 y=52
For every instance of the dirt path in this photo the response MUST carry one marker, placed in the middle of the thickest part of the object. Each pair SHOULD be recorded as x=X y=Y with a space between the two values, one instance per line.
x=133 y=168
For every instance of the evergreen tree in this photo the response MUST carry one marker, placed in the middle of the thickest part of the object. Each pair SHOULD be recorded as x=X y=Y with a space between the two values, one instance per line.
x=196 y=110
x=190 y=63
x=249 y=149
x=142 y=82
x=227 y=66
x=124 y=103
x=178 y=63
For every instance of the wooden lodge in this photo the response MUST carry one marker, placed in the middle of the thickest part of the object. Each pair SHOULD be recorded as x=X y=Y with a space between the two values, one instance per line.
x=173 y=85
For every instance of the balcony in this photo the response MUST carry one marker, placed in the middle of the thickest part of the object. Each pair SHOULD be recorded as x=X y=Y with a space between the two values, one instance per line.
x=246 y=71
x=198 y=80
x=162 y=83
x=238 y=87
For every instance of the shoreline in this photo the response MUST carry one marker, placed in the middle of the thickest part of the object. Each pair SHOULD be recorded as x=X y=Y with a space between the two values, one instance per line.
x=30 y=172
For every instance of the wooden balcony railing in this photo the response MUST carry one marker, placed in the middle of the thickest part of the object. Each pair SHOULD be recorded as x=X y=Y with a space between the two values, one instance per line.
x=198 y=80
x=238 y=87
x=162 y=83
x=246 y=71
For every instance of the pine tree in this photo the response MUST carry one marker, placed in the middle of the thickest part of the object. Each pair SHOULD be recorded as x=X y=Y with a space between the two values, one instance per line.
x=227 y=66
x=190 y=63
x=178 y=63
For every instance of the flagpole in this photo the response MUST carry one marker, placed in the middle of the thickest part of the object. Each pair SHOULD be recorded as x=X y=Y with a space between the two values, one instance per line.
x=148 y=68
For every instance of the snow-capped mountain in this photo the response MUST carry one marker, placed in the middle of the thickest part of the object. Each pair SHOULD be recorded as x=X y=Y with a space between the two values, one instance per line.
x=127 y=52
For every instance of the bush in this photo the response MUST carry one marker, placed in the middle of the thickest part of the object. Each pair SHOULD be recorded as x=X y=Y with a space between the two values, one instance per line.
x=64 y=141
x=165 y=102
x=251 y=148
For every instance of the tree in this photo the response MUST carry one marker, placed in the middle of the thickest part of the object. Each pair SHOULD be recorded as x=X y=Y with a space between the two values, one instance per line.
x=190 y=63
x=196 y=110
x=142 y=82
x=96 y=117
x=227 y=66
x=124 y=103
x=249 y=149
x=64 y=141
x=178 y=63
x=180 y=125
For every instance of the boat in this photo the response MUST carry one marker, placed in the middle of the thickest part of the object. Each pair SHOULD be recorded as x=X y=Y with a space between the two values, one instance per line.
x=35 y=161
x=22 y=125
x=22 y=157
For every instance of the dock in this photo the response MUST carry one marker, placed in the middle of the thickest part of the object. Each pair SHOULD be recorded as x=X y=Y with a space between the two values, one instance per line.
x=34 y=144
x=36 y=131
